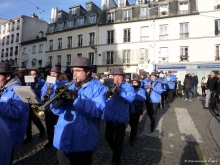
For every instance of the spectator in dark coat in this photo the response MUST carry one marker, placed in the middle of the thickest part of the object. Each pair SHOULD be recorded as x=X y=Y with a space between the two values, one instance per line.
x=188 y=87
x=195 y=82
x=218 y=96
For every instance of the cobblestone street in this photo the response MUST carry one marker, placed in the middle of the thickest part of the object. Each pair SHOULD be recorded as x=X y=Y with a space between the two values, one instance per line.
x=169 y=144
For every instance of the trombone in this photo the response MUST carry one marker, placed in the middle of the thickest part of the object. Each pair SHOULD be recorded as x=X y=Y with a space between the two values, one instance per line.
x=39 y=111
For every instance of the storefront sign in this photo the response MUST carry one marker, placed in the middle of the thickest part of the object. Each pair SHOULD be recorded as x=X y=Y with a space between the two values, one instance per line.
x=208 y=66
x=171 y=67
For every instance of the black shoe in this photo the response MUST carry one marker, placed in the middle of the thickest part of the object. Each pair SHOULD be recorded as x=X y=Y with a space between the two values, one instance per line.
x=27 y=140
x=217 y=114
x=48 y=145
x=41 y=134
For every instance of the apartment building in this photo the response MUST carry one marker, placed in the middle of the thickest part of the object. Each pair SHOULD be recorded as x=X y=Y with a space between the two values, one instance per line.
x=73 y=34
x=182 y=36
x=16 y=31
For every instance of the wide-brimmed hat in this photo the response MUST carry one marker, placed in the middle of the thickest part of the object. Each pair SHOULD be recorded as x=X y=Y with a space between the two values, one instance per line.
x=5 y=67
x=35 y=69
x=169 y=71
x=153 y=74
x=136 y=79
x=118 y=71
x=82 y=62
x=128 y=77
x=55 y=69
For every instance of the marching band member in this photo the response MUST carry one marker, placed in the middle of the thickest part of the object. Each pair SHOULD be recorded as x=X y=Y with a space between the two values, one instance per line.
x=154 y=91
x=36 y=86
x=136 y=108
x=48 y=89
x=128 y=79
x=13 y=111
x=163 y=81
x=116 y=113
x=170 y=86
x=77 y=129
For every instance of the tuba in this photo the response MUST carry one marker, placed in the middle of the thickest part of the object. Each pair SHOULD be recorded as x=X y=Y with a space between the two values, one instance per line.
x=39 y=111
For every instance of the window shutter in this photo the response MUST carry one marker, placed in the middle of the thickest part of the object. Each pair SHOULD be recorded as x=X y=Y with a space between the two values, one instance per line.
x=119 y=57
x=115 y=55
x=146 y=56
x=104 y=58
x=216 y=27
x=137 y=56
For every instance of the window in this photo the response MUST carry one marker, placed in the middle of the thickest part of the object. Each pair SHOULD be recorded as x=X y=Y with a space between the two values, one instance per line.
x=17 y=37
x=163 y=32
x=12 y=38
x=184 y=30
x=110 y=56
x=59 y=43
x=24 y=50
x=163 y=54
x=88 y=7
x=144 y=13
x=11 y=51
x=70 y=24
x=61 y=26
x=4 y=28
x=2 y=53
x=91 y=38
x=127 y=35
x=68 y=59
x=183 y=53
x=127 y=15
x=92 y=19
x=79 y=54
x=91 y=57
x=142 y=55
x=110 y=39
x=59 y=15
x=144 y=33
x=6 y=52
x=34 y=49
x=183 y=7
x=139 y=2
x=74 y=11
x=80 y=40
x=16 y=50
x=41 y=48
x=13 y=26
x=217 y=27
x=7 y=41
x=59 y=60
x=121 y=3
x=69 y=42
x=163 y=10
x=52 y=28
x=217 y=55
x=126 y=56
x=50 y=45
x=18 y=24
x=8 y=28
x=3 y=40
x=81 y=21
x=110 y=17
x=50 y=60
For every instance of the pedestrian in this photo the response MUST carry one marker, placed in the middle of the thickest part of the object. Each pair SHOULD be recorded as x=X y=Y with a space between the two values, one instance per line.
x=77 y=130
x=116 y=113
x=128 y=79
x=136 y=108
x=211 y=87
x=218 y=95
x=203 y=86
x=154 y=91
x=163 y=80
x=187 y=88
x=5 y=143
x=195 y=82
x=13 y=111
x=36 y=86
x=97 y=77
x=170 y=86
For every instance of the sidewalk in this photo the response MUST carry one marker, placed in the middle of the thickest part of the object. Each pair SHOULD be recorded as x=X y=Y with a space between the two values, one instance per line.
x=215 y=129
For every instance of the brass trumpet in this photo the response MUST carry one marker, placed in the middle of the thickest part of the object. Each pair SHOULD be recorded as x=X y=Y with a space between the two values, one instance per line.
x=39 y=111
x=111 y=92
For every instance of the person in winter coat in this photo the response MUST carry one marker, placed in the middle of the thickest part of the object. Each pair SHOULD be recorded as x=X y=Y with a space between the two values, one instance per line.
x=5 y=143
x=170 y=86
x=163 y=80
x=77 y=130
x=154 y=91
x=195 y=82
x=49 y=89
x=203 y=86
x=187 y=87
x=13 y=111
x=211 y=90
x=218 y=95
x=36 y=86
x=136 y=108
x=116 y=114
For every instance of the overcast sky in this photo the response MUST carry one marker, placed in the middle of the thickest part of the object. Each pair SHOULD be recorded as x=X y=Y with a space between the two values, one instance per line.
x=13 y=8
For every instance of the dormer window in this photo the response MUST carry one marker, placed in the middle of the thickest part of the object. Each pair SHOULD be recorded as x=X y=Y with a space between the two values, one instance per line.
x=61 y=26
x=88 y=7
x=164 y=10
x=183 y=7
x=127 y=15
x=70 y=24
x=144 y=13
x=121 y=3
x=81 y=21
x=92 y=19
x=52 y=28
x=139 y=2
x=110 y=17
x=74 y=11
x=59 y=15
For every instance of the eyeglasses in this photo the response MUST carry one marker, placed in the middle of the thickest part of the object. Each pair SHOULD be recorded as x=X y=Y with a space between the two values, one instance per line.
x=77 y=71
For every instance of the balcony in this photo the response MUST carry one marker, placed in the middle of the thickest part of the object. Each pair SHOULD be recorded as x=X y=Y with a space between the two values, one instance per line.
x=59 y=47
x=127 y=18
x=181 y=12
x=11 y=54
x=184 y=35
x=7 y=42
x=163 y=37
x=12 y=41
x=6 y=54
x=16 y=40
x=50 y=48
x=69 y=46
x=79 y=44
x=18 y=27
x=110 y=21
x=3 y=43
x=16 y=52
x=12 y=29
x=127 y=39
x=91 y=43
x=110 y=41
x=126 y=61
x=109 y=61
x=184 y=57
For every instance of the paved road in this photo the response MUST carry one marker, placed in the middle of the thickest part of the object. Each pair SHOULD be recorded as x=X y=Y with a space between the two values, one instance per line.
x=182 y=136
